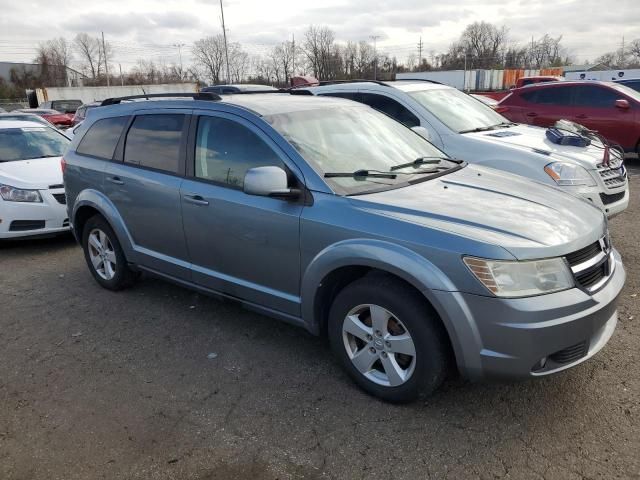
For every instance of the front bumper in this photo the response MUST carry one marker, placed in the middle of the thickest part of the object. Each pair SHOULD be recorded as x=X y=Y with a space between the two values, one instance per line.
x=50 y=215
x=613 y=205
x=520 y=338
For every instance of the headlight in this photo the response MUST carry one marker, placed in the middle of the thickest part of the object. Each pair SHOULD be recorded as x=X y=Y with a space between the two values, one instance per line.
x=521 y=279
x=12 y=194
x=569 y=174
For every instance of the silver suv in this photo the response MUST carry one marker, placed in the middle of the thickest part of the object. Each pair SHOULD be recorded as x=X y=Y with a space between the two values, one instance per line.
x=329 y=215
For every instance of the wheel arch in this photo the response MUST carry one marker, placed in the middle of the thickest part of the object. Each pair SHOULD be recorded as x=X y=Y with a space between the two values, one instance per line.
x=340 y=264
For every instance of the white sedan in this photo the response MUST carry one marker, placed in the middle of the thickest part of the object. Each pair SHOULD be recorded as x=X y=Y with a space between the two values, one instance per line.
x=32 y=199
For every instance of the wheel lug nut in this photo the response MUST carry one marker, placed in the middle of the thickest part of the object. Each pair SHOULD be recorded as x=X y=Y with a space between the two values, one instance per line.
x=388 y=344
x=372 y=350
x=369 y=337
x=384 y=354
x=378 y=333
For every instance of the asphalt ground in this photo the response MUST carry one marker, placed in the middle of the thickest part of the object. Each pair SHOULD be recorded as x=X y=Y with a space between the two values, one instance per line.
x=96 y=384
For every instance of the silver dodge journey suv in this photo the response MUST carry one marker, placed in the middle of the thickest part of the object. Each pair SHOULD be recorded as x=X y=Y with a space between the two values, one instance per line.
x=329 y=215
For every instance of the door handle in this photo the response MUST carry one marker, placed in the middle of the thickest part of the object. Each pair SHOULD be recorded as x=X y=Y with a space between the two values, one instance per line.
x=195 y=199
x=532 y=114
x=116 y=180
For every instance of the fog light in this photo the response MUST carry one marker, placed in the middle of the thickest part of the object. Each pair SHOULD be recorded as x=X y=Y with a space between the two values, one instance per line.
x=539 y=365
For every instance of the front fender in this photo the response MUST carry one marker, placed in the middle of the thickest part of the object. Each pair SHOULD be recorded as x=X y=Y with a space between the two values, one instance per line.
x=386 y=256
x=100 y=202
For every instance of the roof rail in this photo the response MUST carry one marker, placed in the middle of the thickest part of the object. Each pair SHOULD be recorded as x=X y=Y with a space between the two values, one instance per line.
x=417 y=80
x=196 y=96
x=290 y=91
x=355 y=80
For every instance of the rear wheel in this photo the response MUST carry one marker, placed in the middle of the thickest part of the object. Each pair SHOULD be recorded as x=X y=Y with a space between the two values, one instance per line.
x=388 y=338
x=104 y=255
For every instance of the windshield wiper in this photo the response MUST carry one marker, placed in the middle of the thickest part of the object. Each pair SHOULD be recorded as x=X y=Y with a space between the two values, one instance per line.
x=419 y=161
x=360 y=174
x=477 y=129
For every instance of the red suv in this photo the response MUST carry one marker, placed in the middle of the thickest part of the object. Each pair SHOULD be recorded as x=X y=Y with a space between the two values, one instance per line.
x=611 y=109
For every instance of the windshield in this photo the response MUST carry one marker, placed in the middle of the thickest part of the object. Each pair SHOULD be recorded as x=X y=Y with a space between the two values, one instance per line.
x=66 y=106
x=352 y=138
x=457 y=110
x=628 y=91
x=31 y=142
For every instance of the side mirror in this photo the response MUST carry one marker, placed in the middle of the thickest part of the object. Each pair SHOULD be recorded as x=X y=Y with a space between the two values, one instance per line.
x=622 y=104
x=268 y=182
x=423 y=132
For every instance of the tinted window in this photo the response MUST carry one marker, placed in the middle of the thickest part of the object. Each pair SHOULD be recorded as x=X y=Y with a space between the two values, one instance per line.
x=102 y=137
x=225 y=150
x=391 y=108
x=595 y=96
x=549 y=96
x=153 y=141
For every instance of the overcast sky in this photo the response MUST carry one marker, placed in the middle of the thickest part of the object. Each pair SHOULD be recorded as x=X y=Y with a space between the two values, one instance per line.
x=149 y=29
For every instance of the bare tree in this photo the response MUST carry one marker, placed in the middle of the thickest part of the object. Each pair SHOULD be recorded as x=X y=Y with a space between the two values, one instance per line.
x=238 y=62
x=319 y=50
x=282 y=58
x=54 y=57
x=88 y=49
x=209 y=56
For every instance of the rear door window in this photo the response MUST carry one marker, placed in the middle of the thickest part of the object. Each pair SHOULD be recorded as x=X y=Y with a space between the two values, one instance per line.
x=154 y=142
x=102 y=137
x=595 y=96
x=549 y=96
x=391 y=107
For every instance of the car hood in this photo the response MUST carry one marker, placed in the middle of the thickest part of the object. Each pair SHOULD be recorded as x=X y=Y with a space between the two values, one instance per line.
x=529 y=219
x=534 y=139
x=36 y=173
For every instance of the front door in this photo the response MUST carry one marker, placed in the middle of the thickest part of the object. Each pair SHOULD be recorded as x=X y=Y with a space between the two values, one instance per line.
x=145 y=188
x=243 y=245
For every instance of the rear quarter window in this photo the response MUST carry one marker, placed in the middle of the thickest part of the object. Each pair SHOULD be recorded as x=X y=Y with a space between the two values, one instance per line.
x=102 y=137
x=548 y=96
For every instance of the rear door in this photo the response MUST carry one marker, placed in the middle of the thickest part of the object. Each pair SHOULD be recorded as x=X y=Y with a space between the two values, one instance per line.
x=545 y=106
x=144 y=185
x=243 y=245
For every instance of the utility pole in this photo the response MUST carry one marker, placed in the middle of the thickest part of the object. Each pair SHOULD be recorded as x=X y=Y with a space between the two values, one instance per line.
x=106 y=64
x=622 y=62
x=179 y=46
x=226 y=49
x=293 y=53
x=121 y=77
x=464 y=87
x=375 y=56
x=419 y=53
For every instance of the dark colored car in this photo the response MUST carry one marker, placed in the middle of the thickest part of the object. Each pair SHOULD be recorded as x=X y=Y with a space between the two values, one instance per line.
x=62 y=120
x=630 y=82
x=611 y=109
x=81 y=112
x=239 y=88
x=63 y=106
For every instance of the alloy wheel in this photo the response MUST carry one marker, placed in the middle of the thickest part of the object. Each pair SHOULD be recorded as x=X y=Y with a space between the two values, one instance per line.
x=102 y=254
x=379 y=345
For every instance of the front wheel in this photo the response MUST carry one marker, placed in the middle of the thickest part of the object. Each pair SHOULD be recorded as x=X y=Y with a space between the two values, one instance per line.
x=388 y=338
x=104 y=255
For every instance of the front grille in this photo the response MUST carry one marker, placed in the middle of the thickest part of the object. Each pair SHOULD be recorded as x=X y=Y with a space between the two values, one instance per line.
x=592 y=276
x=570 y=354
x=592 y=264
x=57 y=185
x=584 y=254
x=614 y=197
x=24 y=225
x=60 y=198
x=613 y=175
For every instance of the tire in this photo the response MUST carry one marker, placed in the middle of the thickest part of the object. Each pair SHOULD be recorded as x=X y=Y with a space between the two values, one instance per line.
x=383 y=297
x=108 y=266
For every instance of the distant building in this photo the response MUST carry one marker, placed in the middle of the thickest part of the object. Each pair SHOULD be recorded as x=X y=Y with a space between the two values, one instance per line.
x=57 y=74
x=596 y=67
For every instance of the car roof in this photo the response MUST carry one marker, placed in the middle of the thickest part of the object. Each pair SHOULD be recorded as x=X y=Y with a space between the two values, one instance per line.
x=566 y=83
x=258 y=103
x=6 y=124
x=403 y=85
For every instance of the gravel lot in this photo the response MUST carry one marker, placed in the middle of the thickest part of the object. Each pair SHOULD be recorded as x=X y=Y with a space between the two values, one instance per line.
x=95 y=384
